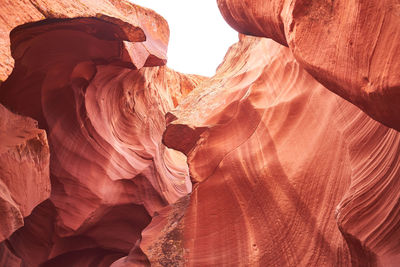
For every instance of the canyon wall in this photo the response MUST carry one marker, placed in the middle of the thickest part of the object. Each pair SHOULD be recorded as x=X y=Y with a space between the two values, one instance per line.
x=285 y=172
x=24 y=152
x=349 y=47
x=264 y=164
x=98 y=86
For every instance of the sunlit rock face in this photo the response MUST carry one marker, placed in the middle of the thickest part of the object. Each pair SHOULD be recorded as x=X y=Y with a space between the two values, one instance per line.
x=352 y=48
x=24 y=170
x=259 y=165
x=96 y=84
x=286 y=173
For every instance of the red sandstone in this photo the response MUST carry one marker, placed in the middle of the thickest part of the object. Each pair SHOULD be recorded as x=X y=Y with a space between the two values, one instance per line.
x=263 y=164
x=351 y=48
x=24 y=170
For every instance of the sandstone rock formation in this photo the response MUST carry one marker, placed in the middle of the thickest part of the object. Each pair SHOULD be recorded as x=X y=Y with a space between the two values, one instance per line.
x=260 y=165
x=351 y=48
x=129 y=23
x=295 y=175
x=24 y=170
x=96 y=85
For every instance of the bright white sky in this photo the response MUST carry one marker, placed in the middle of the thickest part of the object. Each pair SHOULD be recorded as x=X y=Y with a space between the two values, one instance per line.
x=199 y=36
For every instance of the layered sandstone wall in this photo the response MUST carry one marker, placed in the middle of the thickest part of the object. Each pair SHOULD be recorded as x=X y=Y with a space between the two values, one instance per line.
x=92 y=75
x=286 y=173
x=349 y=47
x=264 y=164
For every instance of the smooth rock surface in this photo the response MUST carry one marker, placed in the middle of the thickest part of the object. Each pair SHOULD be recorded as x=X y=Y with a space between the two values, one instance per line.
x=7 y=258
x=101 y=93
x=352 y=48
x=286 y=172
x=260 y=165
x=134 y=23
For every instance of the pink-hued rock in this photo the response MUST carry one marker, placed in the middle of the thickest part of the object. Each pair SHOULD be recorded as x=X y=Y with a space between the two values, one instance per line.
x=132 y=22
x=256 y=17
x=260 y=165
x=162 y=240
x=33 y=242
x=24 y=169
x=109 y=237
x=352 y=48
x=102 y=95
x=7 y=258
x=286 y=172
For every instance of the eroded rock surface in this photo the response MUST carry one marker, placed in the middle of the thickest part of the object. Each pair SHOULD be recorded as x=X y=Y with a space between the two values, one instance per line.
x=24 y=170
x=295 y=175
x=351 y=48
x=97 y=85
x=284 y=172
x=131 y=22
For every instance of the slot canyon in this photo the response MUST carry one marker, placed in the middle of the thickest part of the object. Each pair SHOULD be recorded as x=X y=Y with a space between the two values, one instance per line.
x=288 y=156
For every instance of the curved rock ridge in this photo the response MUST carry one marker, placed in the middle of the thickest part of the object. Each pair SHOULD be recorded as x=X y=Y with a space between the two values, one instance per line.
x=295 y=175
x=369 y=212
x=259 y=165
x=24 y=169
x=7 y=258
x=138 y=24
x=351 y=48
x=104 y=114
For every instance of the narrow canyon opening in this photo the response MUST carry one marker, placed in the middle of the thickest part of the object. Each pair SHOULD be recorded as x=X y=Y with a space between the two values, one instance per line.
x=283 y=157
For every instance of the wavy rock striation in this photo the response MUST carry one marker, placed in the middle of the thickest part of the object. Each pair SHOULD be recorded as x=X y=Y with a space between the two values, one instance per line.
x=131 y=23
x=295 y=175
x=259 y=165
x=351 y=48
x=96 y=84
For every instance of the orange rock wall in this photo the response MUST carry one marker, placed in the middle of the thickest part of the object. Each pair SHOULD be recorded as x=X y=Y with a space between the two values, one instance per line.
x=286 y=172
x=96 y=84
x=24 y=170
x=351 y=48
x=264 y=164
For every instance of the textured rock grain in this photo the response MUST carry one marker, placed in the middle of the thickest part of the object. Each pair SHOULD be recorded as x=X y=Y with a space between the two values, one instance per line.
x=134 y=22
x=260 y=165
x=352 y=48
x=295 y=175
x=96 y=84
x=24 y=170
